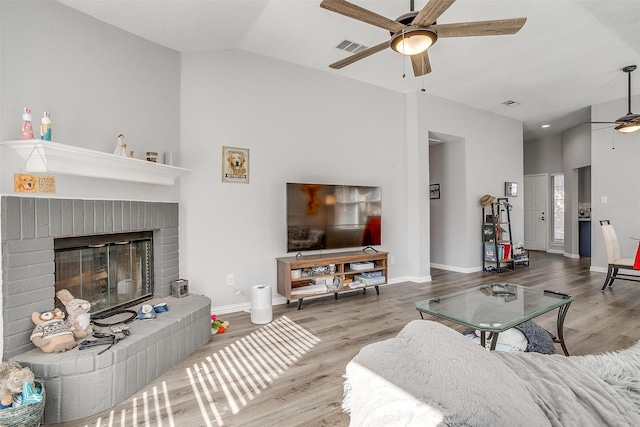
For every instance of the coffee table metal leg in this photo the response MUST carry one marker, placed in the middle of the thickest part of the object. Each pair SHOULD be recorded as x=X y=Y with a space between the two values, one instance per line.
x=562 y=313
x=494 y=341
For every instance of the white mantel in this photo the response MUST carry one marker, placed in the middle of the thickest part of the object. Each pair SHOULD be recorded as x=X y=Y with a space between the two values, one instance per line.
x=48 y=156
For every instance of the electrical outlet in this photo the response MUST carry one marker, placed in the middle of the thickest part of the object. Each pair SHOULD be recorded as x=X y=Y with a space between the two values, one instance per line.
x=231 y=280
x=392 y=259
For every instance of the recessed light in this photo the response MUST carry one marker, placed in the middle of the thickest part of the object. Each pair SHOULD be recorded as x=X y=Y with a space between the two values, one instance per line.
x=545 y=126
x=510 y=103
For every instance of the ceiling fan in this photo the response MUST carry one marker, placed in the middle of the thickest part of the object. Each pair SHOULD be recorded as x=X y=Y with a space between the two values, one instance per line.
x=414 y=32
x=629 y=122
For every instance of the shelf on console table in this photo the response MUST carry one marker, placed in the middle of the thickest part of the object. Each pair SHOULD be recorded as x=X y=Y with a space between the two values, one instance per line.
x=341 y=261
x=52 y=157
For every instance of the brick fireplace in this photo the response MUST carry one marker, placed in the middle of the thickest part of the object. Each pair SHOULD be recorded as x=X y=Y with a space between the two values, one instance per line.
x=82 y=383
x=29 y=226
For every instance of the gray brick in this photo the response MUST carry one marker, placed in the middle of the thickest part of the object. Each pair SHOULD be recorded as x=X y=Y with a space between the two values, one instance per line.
x=27 y=259
x=134 y=216
x=119 y=382
x=67 y=365
x=55 y=217
x=53 y=410
x=85 y=363
x=19 y=273
x=117 y=216
x=99 y=217
x=27 y=299
x=28 y=214
x=152 y=216
x=11 y=218
x=27 y=246
x=171 y=215
x=67 y=218
x=38 y=284
x=126 y=215
x=89 y=217
x=108 y=216
x=78 y=217
x=142 y=210
x=42 y=218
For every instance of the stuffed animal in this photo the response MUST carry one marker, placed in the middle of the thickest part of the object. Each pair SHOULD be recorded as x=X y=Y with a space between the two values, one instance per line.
x=78 y=313
x=52 y=333
x=12 y=378
x=218 y=326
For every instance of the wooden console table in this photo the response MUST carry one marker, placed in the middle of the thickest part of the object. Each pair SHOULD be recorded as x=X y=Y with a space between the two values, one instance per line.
x=309 y=276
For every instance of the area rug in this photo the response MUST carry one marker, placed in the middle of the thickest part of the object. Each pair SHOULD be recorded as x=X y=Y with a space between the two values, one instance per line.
x=224 y=381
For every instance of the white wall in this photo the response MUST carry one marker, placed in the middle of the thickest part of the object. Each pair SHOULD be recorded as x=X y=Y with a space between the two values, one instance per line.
x=576 y=154
x=97 y=81
x=493 y=152
x=447 y=162
x=615 y=174
x=300 y=125
x=543 y=155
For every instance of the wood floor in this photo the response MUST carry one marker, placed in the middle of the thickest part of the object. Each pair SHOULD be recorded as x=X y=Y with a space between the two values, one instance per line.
x=309 y=392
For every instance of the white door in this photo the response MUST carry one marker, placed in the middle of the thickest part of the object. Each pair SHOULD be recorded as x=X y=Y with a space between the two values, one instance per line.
x=535 y=211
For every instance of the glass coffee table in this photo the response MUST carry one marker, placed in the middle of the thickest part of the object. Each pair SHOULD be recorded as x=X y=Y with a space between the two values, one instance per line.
x=496 y=307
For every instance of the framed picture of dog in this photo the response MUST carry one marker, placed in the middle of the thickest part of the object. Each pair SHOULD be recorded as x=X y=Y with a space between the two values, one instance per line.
x=235 y=165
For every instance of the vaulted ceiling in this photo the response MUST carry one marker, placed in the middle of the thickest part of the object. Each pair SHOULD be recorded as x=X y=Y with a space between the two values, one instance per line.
x=568 y=55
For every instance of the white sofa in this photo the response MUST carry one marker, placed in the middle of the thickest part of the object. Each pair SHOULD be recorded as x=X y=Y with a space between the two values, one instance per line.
x=430 y=375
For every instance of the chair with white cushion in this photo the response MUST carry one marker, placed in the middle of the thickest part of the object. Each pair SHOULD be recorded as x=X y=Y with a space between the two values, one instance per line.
x=613 y=257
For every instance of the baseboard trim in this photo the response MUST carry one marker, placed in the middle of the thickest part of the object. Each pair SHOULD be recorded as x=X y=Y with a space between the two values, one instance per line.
x=456 y=269
x=280 y=300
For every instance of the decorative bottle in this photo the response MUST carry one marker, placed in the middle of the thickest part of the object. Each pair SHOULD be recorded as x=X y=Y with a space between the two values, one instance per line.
x=45 y=127
x=27 y=129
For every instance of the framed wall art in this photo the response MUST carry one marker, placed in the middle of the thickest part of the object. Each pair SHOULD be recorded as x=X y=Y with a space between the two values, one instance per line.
x=511 y=189
x=434 y=191
x=235 y=165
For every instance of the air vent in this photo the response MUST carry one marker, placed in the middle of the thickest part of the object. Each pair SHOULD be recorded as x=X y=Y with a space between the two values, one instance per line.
x=350 y=46
x=510 y=103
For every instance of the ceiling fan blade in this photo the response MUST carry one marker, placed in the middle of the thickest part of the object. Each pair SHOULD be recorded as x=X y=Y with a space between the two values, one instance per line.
x=431 y=12
x=360 y=55
x=603 y=123
x=496 y=27
x=421 y=64
x=356 y=12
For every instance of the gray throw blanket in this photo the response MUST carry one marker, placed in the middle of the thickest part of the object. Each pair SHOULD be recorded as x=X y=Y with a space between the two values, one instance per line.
x=538 y=339
x=430 y=375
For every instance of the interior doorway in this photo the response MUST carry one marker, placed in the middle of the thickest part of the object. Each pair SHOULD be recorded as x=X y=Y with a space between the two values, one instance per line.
x=448 y=212
x=536 y=211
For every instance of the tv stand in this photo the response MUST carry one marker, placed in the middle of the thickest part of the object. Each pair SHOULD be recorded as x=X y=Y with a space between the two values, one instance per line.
x=314 y=276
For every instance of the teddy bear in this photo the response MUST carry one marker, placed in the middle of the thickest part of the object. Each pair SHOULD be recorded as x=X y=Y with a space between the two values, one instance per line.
x=12 y=378
x=78 y=313
x=52 y=333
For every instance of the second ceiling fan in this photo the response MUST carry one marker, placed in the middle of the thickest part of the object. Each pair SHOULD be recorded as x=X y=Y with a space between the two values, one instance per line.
x=413 y=32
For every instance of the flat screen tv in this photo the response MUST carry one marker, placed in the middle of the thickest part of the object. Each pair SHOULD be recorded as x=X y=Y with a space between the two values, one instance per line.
x=325 y=216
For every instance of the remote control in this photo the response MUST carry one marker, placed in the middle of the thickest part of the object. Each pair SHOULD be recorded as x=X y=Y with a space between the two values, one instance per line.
x=562 y=294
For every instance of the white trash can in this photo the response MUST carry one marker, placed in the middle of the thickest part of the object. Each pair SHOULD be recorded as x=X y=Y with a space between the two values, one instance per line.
x=261 y=310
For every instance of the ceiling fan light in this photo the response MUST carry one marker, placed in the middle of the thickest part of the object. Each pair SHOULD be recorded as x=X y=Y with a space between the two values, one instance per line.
x=628 y=127
x=413 y=40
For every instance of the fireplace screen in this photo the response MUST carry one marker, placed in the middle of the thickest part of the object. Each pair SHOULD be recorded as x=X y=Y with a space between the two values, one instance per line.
x=110 y=271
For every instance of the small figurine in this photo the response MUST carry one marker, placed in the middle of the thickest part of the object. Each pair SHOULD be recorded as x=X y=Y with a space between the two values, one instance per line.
x=27 y=129
x=45 y=127
x=120 y=148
